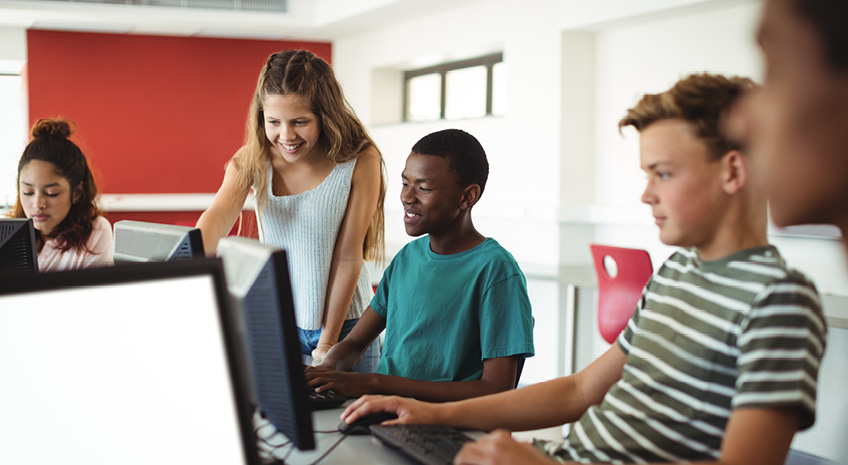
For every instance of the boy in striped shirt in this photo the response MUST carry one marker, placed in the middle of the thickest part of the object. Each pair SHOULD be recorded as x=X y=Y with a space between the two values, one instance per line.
x=719 y=361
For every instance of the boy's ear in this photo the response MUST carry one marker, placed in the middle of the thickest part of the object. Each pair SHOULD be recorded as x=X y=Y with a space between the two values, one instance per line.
x=470 y=196
x=735 y=171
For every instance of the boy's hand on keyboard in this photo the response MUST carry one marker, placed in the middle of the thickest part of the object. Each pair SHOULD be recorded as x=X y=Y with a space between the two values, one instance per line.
x=346 y=383
x=409 y=411
x=499 y=448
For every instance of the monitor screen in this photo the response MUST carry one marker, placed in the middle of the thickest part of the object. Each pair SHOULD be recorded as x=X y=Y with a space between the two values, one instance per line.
x=139 y=241
x=124 y=365
x=258 y=279
x=18 y=252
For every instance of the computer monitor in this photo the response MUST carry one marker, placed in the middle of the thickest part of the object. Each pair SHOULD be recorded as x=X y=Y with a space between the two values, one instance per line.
x=18 y=250
x=139 y=241
x=258 y=279
x=122 y=365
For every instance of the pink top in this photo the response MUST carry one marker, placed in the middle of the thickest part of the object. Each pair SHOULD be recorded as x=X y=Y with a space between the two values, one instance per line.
x=99 y=243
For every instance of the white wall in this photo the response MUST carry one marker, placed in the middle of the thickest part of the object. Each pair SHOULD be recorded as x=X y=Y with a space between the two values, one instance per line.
x=562 y=176
x=522 y=147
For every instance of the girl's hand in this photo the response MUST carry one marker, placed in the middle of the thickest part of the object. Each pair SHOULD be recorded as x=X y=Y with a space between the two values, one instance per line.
x=499 y=448
x=320 y=352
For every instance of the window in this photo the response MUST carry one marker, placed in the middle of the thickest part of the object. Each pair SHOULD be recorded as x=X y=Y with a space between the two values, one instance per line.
x=13 y=135
x=462 y=89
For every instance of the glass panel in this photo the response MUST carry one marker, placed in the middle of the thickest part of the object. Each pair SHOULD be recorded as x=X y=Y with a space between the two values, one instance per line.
x=499 y=77
x=465 y=93
x=424 y=98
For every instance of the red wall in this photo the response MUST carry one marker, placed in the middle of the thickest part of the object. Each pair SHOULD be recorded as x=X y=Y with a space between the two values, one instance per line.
x=154 y=114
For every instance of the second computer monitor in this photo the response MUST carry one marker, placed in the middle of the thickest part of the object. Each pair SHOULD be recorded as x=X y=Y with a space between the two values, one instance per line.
x=18 y=252
x=258 y=279
x=139 y=241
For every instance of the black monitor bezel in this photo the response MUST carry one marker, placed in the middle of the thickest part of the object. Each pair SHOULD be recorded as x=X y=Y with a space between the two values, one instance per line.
x=276 y=259
x=139 y=272
x=291 y=339
x=32 y=250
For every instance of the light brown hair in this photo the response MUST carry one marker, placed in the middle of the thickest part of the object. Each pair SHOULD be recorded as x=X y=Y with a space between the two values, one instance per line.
x=700 y=99
x=300 y=72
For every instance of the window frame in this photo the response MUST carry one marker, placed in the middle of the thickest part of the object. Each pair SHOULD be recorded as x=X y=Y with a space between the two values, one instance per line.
x=489 y=61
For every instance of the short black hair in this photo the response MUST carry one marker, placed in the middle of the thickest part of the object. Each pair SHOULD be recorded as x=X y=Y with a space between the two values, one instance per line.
x=465 y=155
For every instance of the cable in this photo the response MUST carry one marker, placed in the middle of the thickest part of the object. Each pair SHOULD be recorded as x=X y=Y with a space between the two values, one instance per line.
x=325 y=454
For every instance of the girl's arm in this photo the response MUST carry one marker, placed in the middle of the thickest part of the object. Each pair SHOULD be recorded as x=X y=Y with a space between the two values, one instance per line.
x=348 y=353
x=218 y=220
x=347 y=255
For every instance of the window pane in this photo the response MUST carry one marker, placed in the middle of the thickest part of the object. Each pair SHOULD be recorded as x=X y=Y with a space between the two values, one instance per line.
x=424 y=98
x=465 y=93
x=13 y=135
x=499 y=89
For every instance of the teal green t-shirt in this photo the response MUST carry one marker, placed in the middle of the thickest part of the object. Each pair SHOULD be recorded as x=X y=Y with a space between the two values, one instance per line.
x=445 y=314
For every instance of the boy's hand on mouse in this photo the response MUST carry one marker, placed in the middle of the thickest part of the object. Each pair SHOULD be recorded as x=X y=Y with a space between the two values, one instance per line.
x=346 y=383
x=499 y=448
x=409 y=411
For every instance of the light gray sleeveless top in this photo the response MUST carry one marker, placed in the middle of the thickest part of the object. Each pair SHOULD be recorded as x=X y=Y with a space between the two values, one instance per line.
x=306 y=226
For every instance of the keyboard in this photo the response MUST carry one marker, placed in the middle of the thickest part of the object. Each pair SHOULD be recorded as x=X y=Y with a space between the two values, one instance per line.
x=323 y=400
x=426 y=444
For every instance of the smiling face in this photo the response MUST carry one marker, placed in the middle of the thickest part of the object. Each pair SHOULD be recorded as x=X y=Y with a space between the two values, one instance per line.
x=684 y=188
x=431 y=195
x=46 y=197
x=798 y=122
x=291 y=127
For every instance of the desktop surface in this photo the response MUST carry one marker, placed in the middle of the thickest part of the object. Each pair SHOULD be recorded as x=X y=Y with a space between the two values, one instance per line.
x=353 y=450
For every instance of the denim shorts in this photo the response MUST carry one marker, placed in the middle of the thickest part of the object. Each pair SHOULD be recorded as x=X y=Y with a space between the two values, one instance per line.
x=370 y=359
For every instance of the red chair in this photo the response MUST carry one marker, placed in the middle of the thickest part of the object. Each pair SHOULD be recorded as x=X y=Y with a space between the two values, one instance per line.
x=622 y=273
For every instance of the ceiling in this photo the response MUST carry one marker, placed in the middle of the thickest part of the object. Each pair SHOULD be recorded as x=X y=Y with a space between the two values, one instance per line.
x=322 y=20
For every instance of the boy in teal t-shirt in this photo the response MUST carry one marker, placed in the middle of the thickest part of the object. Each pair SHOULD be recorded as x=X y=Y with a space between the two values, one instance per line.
x=453 y=303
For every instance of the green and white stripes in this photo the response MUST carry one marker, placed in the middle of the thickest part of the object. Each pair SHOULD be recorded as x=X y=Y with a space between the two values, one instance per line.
x=707 y=338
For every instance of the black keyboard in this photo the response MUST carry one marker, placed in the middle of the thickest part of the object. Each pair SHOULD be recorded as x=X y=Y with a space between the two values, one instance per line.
x=324 y=400
x=426 y=444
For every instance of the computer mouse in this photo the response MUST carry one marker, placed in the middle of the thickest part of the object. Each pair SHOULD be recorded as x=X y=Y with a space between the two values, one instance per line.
x=360 y=426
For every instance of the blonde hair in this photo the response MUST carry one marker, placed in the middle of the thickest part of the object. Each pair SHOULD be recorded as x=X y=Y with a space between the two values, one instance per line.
x=700 y=99
x=302 y=73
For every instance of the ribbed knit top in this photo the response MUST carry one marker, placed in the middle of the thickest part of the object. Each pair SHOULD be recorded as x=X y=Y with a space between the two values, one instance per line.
x=306 y=226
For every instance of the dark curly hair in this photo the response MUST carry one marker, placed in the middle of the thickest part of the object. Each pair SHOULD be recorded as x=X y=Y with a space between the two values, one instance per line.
x=700 y=99
x=465 y=155
x=51 y=143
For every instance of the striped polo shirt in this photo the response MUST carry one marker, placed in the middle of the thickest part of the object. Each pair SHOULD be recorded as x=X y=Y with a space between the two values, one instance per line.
x=706 y=338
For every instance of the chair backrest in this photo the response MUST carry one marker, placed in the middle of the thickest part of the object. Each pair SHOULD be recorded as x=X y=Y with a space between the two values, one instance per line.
x=622 y=273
